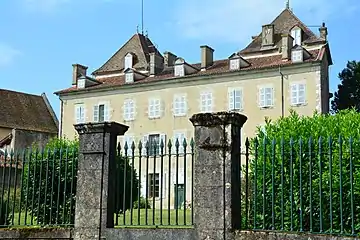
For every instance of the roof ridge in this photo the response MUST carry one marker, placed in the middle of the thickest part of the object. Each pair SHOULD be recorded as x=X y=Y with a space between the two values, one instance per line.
x=24 y=93
x=301 y=22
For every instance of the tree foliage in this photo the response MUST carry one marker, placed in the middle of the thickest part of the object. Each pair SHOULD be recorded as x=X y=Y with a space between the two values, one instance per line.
x=348 y=94
x=49 y=183
x=302 y=165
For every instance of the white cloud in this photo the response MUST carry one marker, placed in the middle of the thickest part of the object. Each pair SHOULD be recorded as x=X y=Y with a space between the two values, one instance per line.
x=7 y=54
x=238 y=20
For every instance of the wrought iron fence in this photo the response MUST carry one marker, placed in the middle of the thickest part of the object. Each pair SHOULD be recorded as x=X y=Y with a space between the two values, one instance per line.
x=38 y=187
x=154 y=184
x=302 y=185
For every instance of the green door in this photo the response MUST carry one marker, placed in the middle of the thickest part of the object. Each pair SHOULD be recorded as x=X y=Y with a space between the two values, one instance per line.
x=179 y=195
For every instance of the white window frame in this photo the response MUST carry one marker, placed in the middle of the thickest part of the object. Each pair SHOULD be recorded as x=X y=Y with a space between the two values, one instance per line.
x=128 y=61
x=298 y=93
x=179 y=105
x=79 y=113
x=154 y=108
x=297 y=55
x=181 y=135
x=179 y=70
x=235 y=94
x=296 y=34
x=235 y=64
x=129 y=110
x=106 y=111
x=266 y=97
x=129 y=77
x=206 y=101
x=81 y=83
x=145 y=139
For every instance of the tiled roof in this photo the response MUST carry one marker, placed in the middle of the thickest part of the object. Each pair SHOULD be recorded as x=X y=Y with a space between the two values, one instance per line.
x=25 y=111
x=283 y=24
x=140 y=45
x=219 y=67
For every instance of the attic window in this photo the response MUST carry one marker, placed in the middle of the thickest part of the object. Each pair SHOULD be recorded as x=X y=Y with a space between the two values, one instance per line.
x=128 y=61
x=179 y=71
x=81 y=83
x=129 y=77
x=234 y=64
x=296 y=34
x=297 y=55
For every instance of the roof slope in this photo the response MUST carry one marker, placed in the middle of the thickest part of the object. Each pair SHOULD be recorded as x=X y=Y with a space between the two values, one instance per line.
x=25 y=111
x=139 y=45
x=283 y=23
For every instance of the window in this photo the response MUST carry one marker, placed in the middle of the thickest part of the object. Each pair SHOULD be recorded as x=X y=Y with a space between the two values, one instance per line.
x=129 y=77
x=79 y=113
x=266 y=97
x=234 y=64
x=129 y=110
x=296 y=34
x=180 y=136
x=154 y=108
x=297 y=94
x=153 y=141
x=81 y=83
x=179 y=105
x=206 y=102
x=153 y=184
x=235 y=99
x=128 y=61
x=179 y=70
x=297 y=56
x=101 y=113
x=128 y=140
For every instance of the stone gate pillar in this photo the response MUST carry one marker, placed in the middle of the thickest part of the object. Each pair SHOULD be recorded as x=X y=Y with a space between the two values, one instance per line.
x=217 y=174
x=95 y=194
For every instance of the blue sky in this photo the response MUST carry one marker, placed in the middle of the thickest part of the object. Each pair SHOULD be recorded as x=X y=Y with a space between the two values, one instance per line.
x=41 y=39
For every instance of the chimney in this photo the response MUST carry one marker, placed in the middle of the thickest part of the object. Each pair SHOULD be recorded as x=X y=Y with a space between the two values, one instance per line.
x=268 y=35
x=156 y=64
x=287 y=44
x=207 y=54
x=323 y=31
x=169 y=59
x=78 y=71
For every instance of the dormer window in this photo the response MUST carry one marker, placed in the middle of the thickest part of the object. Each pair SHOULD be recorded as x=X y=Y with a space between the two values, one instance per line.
x=297 y=55
x=129 y=77
x=235 y=64
x=296 y=34
x=81 y=83
x=128 y=61
x=179 y=67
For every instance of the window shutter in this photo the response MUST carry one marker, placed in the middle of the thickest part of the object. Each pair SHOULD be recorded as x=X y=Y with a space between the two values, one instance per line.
x=262 y=97
x=143 y=185
x=231 y=99
x=82 y=114
x=294 y=94
x=106 y=113
x=96 y=113
x=77 y=114
x=301 y=93
x=161 y=108
x=163 y=138
x=144 y=141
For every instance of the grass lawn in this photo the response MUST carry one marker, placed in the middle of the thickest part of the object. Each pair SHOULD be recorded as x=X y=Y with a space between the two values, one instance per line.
x=154 y=220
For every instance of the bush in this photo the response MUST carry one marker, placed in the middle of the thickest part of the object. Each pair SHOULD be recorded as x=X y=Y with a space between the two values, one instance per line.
x=311 y=140
x=142 y=204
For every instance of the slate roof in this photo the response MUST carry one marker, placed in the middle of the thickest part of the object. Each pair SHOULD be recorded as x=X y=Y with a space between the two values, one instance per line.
x=283 y=23
x=140 y=45
x=26 y=111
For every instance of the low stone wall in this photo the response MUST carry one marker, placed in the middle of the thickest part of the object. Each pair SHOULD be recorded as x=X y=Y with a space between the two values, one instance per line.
x=36 y=233
x=149 y=234
x=249 y=235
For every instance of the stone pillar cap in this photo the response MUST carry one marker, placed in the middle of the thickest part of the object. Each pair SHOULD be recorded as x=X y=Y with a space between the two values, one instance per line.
x=218 y=119
x=102 y=127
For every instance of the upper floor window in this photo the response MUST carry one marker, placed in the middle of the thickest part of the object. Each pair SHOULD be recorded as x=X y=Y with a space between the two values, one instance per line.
x=129 y=110
x=179 y=105
x=129 y=77
x=297 y=55
x=206 y=102
x=128 y=61
x=297 y=94
x=296 y=34
x=79 y=113
x=154 y=108
x=234 y=64
x=101 y=113
x=235 y=99
x=266 y=97
x=179 y=70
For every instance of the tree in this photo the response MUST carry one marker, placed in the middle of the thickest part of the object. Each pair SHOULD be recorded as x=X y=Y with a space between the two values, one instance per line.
x=49 y=183
x=348 y=93
x=287 y=151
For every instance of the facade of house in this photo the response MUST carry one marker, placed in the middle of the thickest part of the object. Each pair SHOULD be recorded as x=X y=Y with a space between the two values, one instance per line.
x=25 y=119
x=284 y=67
